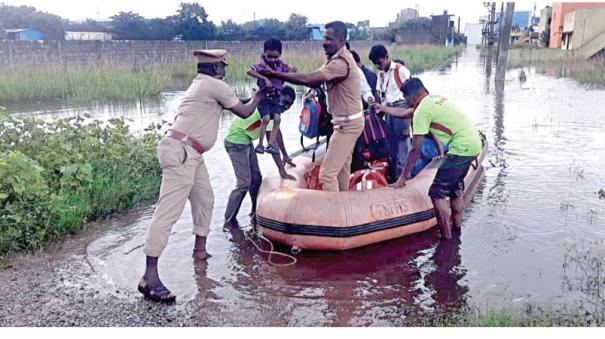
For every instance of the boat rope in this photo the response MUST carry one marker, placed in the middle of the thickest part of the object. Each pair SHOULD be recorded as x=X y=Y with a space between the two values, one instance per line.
x=252 y=230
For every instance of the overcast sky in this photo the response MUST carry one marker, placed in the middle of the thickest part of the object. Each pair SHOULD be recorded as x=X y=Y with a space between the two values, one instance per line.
x=318 y=11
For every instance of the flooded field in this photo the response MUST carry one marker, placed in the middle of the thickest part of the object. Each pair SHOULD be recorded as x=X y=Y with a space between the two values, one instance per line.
x=534 y=233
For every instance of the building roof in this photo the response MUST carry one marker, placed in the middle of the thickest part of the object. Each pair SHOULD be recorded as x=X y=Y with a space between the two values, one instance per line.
x=83 y=31
x=18 y=30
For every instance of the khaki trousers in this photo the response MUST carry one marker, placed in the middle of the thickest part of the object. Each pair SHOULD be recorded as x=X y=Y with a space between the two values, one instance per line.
x=335 y=169
x=184 y=176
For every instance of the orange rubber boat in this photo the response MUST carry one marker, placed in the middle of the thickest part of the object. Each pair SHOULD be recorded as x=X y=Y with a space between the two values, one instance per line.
x=290 y=213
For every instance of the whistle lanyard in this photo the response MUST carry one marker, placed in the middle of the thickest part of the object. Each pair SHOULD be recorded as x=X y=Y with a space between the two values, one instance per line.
x=384 y=88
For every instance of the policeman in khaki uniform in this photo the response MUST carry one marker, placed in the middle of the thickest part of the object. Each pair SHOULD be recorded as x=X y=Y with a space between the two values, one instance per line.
x=184 y=174
x=341 y=76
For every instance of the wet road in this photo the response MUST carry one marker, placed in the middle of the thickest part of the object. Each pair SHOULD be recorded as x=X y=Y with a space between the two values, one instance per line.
x=533 y=235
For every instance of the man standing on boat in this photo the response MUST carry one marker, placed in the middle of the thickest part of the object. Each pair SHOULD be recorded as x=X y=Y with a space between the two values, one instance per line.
x=341 y=78
x=184 y=174
x=391 y=76
x=435 y=114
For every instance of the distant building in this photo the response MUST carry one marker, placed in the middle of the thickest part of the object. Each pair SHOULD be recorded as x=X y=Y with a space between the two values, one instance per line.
x=442 y=28
x=545 y=19
x=99 y=36
x=403 y=16
x=582 y=26
x=363 y=24
x=521 y=19
x=473 y=34
x=413 y=36
x=407 y=14
x=316 y=32
x=559 y=10
x=23 y=34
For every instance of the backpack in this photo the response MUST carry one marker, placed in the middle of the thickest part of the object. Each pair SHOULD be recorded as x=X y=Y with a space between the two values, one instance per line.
x=313 y=125
x=397 y=76
x=315 y=121
x=309 y=118
x=373 y=143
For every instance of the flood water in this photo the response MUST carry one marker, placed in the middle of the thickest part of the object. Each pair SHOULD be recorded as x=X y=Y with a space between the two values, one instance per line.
x=534 y=233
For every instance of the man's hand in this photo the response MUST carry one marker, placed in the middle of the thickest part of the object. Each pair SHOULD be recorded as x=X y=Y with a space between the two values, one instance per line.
x=399 y=183
x=257 y=95
x=371 y=100
x=288 y=160
x=310 y=94
x=287 y=176
x=267 y=71
x=378 y=107
x=268 y=83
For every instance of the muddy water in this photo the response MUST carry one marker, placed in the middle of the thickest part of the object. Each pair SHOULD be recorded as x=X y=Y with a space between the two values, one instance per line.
x=534 y=232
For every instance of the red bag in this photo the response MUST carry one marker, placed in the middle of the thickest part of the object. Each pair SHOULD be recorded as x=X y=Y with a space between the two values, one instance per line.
x=368 y=179
x=313 y=179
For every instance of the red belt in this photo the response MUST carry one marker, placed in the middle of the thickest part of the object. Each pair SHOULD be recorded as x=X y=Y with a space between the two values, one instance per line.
x=186 y=139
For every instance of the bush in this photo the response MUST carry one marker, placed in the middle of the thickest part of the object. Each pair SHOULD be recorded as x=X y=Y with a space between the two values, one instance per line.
x=55 y=177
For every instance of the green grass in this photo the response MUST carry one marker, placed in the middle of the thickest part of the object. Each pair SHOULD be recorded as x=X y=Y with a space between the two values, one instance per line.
x=56 y=176
x=588 y=72
x=531 y=316
x=81 y=84
x=124 y=81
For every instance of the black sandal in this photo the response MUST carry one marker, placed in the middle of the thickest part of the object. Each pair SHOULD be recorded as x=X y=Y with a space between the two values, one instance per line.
x=158 y=294
x=271 y=149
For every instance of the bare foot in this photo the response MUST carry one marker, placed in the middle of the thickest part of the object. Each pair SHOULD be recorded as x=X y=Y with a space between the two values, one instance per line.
x=446 y=236
x=201 y=254
x=231 y=224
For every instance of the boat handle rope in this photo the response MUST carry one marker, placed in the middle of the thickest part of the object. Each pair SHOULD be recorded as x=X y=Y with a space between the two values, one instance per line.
x=271 y=251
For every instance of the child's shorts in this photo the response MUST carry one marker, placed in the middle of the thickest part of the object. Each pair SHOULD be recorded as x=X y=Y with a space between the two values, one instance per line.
x=270 y=107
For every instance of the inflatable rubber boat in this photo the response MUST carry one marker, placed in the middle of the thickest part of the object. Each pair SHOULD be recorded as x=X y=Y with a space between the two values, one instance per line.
x=290 y=213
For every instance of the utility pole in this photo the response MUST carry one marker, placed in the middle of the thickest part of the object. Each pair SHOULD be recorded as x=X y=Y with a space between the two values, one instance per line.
x=504 y=41
x=499 y=29
x=490 y=37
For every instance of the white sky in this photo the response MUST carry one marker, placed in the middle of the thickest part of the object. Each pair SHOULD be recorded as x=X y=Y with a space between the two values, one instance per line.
x=318 y=11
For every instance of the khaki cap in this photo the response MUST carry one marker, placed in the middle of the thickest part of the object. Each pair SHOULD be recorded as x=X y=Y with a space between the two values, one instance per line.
x=210 y=56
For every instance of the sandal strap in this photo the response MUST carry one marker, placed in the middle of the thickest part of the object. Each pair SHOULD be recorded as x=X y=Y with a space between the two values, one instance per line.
x=160 y=291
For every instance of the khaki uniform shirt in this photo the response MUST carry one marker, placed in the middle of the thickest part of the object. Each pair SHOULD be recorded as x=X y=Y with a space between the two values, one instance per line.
x=199 y=111
x=344 y=96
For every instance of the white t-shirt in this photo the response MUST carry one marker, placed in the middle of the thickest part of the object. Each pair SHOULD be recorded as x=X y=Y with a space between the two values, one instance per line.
x=386 y=85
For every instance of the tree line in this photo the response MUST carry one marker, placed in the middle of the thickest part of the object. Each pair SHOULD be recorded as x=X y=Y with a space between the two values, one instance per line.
x=190 y=22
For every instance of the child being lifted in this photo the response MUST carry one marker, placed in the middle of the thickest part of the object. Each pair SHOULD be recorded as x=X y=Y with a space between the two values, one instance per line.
x=269 y=107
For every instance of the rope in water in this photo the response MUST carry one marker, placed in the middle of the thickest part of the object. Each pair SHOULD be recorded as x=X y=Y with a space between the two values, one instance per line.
x=271 y=251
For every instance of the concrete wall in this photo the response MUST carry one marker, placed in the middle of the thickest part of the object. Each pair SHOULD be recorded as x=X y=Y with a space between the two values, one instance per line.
x=136 y=52
x=588 y=23
x=559 y=9
x=413 y=36
x=540 y=54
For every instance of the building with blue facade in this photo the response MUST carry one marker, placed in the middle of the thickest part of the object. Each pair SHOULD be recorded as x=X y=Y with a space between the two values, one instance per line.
x=23 y=34
x=316 y=32
x=520 y=19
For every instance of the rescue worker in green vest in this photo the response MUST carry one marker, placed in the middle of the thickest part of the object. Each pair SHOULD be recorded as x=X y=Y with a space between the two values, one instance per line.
x=238 y=144
x=437 y=115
